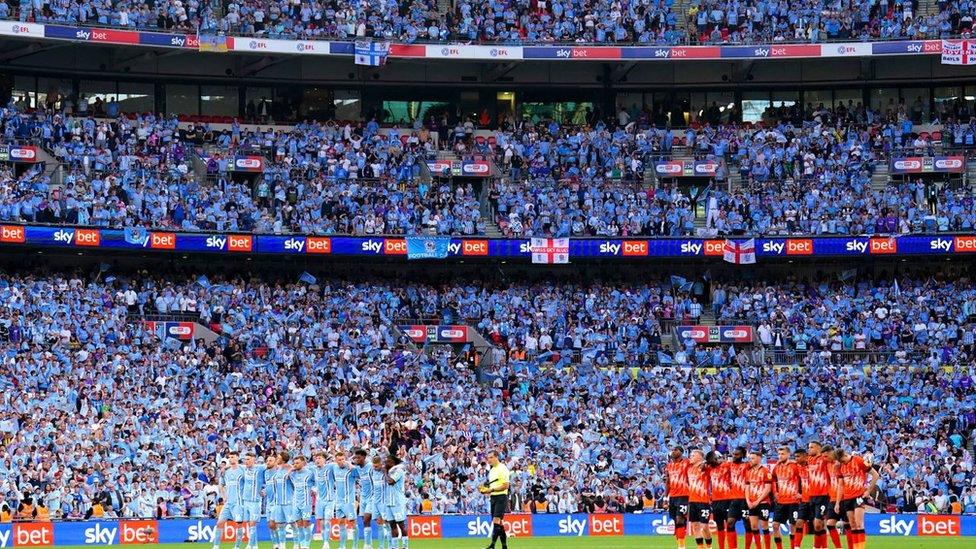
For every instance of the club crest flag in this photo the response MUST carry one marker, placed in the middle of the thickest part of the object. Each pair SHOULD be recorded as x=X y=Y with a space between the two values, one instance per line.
x=372 y=54
x=549 y=250
x=428 y=247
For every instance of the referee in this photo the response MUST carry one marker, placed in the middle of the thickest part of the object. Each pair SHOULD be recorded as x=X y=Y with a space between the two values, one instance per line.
x=497 y=488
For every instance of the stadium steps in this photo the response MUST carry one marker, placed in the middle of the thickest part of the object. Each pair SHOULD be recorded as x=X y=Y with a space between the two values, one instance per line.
x=880 y=178
x=707 y=317
x=445 y=6
x=52 y=167
x=928 y=7
x=970 y=173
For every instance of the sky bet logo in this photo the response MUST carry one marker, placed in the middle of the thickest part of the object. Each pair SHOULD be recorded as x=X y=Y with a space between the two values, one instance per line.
x=964 y=244
x=424 y=527
x=515 y=526
x=896 y=526
x=571 y=526
x=295 y=245
x=941 y=245
x=178 y=41
x=12 y=234
x=33 y=534
x=162 y=241
x=230 y=243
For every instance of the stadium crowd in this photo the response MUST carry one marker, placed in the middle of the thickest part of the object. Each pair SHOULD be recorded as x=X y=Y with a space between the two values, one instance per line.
x=802 y=171
x=524 y=21
x=135 y=427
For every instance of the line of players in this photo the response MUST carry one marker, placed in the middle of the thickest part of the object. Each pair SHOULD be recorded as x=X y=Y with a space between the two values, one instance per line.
x=813 y=491
x=286 y=484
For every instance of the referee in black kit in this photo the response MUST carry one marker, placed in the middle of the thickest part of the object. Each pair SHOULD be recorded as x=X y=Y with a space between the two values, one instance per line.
x=497 y=488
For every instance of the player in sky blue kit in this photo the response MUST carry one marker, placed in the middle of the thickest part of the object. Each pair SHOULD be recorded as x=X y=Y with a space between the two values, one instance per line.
x=378 y=475
x=324 y=497
x=365 y=497
x=252 y=493
x=343 y=476
x=395 y=504
x=231 y=482
x=302 y=481
x=279 y=508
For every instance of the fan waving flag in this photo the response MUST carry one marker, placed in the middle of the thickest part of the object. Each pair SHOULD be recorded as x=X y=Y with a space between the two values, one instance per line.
x=371 y=53
x=740 y=253
x=549 y=250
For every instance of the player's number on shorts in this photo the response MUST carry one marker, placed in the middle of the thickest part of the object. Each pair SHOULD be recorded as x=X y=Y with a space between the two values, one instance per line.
x=705 y=513
x=682 y=509
x=823 y=510
x=796 y=515
x=765 y=514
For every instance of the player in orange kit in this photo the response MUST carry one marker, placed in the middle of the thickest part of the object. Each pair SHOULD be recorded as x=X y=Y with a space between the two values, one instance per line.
x=834 y=518
x=804 y=518
x=758 y=492
x=720 y=476
x=818 y=477
x=786 y=486
x=676 y=489
x=852 y=490
x=700 y=499
x=738 y=510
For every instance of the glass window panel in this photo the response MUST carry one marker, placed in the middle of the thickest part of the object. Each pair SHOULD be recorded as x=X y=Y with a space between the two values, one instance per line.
x=218 y=100
x=137 y=97
x=348 y=105
x=182 y=99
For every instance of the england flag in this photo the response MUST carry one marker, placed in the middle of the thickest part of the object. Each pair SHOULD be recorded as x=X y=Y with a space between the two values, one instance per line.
x=549 y=250
x=740 y=253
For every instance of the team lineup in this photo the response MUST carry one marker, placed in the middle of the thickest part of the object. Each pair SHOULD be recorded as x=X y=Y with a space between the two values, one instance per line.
x=344 y=490
x=814 y=490
x=285 y=485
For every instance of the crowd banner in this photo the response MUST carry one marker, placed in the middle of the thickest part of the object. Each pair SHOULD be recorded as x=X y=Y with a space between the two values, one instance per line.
x=957 y=50
x=133 y=531
x=93 y=238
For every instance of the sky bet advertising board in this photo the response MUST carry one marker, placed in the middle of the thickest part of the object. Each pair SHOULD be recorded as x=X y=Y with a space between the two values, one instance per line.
x=140 y=532
x=461 y=248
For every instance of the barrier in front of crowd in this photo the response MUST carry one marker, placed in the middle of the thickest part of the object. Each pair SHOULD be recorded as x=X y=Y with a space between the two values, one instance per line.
x=90 y=238
x=131 y=532
x=502 y=53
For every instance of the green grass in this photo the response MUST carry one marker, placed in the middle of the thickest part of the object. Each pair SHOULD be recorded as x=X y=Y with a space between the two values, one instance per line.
x=630 y=542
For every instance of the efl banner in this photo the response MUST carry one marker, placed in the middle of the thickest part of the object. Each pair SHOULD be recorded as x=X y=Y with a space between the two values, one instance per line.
x=955 y=50
x=252 y=164
x=460 y=248
x=143 y=532
x=432 y=333
x=716 y=334
x=928 y=164
x=687 y=168
x=18 y=153
x=459 y=168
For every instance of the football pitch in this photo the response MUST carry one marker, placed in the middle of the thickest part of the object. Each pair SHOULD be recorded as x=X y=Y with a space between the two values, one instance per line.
x=629 y=542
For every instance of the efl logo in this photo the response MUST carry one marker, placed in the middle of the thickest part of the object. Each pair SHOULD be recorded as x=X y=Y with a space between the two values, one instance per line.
x=33 y=534
x=948 y=163
x=706 y=168
x=477 y=168
x=318 y=245
x=424 y=527
x=635 y=248
x=395 y=246
x=88 y=237
x=239 y=243
x=162 y=241
x=249 y=163
x=138 y=531
x=714 y=247
x=474 y=247
x=938 y=525
x=12 y=234
x=669 y=168
x=802 y=246
x=606 y=525
x=23 y=153
x=908 y=164
x=965 y=244
x=884 y=246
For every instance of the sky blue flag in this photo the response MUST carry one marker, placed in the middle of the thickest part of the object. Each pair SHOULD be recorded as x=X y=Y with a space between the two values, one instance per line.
x=135 y=235
x=307 y=278
x=204 y=281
